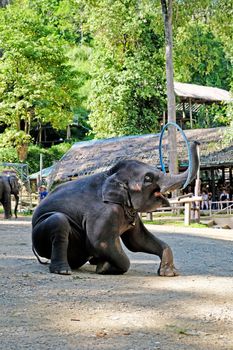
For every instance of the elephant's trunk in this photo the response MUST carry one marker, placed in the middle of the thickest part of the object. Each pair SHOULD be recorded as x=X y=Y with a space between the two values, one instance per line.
x=16 y=204
x=172 y=182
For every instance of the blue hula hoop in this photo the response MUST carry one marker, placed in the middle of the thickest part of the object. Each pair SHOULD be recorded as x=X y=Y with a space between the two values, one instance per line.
x=188 y=148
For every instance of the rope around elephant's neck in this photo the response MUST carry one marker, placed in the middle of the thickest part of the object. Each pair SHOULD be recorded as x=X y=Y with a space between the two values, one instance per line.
x=188 y=148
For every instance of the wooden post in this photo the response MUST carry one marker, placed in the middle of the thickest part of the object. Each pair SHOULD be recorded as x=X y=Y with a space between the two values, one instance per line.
x=164 y=118
x=197 y=190
x=223 y=174
x=230 y=175
x=187 y=213
x=41 y=167
x=68 y=132
x=213 y=189
x=183 y=110
x=149 y=216
x=188 y=202
x=40 y=134
x=190 y=113
x=171 y=101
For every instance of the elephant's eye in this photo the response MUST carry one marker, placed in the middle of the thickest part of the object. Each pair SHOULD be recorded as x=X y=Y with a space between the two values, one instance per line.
x=148 y=178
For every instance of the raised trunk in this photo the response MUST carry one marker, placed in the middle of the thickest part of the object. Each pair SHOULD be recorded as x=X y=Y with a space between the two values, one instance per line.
x=172 y=182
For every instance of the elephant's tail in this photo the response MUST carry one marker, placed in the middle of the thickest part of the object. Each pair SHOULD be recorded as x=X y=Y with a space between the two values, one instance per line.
x=38 y=257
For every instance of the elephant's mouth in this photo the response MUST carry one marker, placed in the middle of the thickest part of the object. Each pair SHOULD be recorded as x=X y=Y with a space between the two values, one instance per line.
x=162 y=198
x=158 y=194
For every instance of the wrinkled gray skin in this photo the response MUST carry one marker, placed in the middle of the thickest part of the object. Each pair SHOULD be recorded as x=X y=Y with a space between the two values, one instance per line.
x=9 y=185
x=84 y=219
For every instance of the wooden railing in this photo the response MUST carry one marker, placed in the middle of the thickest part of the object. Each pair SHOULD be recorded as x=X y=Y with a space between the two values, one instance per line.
x=221 y=207
x=189 y=203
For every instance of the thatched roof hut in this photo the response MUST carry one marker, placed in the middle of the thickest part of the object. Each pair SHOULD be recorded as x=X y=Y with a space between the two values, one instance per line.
x=192 y=97
x=89 y=157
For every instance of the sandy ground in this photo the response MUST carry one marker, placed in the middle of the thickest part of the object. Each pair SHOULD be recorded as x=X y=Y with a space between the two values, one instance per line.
x=136 y=311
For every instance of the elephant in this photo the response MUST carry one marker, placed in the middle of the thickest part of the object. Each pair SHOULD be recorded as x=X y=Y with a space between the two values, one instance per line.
x=9 y=185
x=87 y=219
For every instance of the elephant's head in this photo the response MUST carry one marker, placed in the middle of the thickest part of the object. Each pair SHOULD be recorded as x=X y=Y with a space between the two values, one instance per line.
x=141 y=186
x=15 y=187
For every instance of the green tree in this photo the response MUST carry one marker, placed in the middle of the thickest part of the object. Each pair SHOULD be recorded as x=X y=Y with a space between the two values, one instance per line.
x=216 y=14
x=200 y=57
x=38 y=84
x=204 y=49
x=128 y=77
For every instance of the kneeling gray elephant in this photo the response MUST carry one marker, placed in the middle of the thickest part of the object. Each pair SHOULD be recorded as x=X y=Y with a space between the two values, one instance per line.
x=86 y=220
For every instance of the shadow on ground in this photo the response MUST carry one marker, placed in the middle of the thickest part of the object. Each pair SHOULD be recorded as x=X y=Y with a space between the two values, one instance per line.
x=138 y=310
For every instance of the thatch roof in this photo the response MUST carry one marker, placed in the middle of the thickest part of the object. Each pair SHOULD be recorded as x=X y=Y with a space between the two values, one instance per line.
x=89 y=157
x=201 y=94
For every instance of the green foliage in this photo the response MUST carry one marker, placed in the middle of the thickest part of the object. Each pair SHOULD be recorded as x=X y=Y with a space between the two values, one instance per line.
x=221 y=24
x=215 y=14
x=61 y=59
x=12 y=137
x=228 y=139
x=174 y=223
x=8 y=155
x=213 y=116
x=128 y=81
x=50 y=155
x=203 y=51
x=38 y=84
x=200 y=57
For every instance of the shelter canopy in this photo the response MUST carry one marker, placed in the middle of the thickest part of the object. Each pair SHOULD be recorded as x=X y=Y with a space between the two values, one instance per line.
x=201 y=94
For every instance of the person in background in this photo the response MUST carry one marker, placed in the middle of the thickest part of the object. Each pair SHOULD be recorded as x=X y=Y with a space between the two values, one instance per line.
x=210 y=196
x=224 y=197
x=205 y=200
x=42 y=192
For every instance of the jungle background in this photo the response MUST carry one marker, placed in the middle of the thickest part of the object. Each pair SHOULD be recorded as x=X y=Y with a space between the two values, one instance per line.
x=73 y=70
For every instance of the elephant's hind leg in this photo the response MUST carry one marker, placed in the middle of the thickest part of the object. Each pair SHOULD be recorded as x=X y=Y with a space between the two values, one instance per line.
x=54 y=233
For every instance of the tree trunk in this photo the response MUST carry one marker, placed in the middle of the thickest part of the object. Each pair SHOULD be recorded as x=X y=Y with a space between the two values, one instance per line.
x=22 y=151
x=171 y=103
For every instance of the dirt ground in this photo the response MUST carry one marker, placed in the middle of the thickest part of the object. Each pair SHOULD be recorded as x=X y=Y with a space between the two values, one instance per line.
x=135 y=311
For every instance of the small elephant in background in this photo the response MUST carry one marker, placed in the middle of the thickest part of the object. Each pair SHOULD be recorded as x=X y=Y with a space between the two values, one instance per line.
x=9 y=185
x=89 y=218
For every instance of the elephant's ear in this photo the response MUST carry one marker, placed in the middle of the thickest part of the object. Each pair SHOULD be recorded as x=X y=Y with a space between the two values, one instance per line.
x=114 y=191
x=13 y=181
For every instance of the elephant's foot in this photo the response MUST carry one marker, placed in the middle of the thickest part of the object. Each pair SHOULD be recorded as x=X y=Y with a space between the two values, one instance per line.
x=61 y=269
x=167 y=268
x=8 y=217
x=105 y=268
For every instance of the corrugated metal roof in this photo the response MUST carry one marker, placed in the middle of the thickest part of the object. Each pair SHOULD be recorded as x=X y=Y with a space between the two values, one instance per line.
x=45 y=173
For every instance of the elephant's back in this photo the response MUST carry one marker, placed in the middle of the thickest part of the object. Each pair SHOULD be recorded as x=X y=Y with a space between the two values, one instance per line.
x=74 y=198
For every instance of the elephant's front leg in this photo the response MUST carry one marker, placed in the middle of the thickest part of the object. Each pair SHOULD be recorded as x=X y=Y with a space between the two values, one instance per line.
x=139 y=239
x=103 y=230
x=117 y=261
x=104 y=267
x=110 y=257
